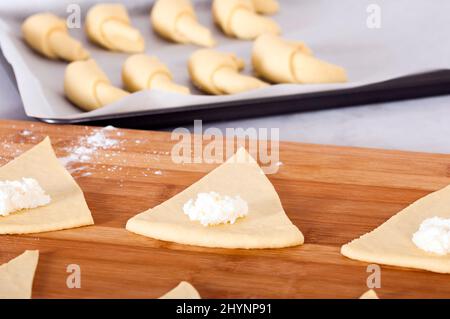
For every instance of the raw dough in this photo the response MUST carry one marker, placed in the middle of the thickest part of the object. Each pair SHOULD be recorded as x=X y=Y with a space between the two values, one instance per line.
x=68 y=208
x=86 y=86
x=140 y=72
x=266 y=6
x=369 y=294
x=48 y=35
x=218 y=73
x=238 y=18
x=283 y=61
x=265 y=226
x=16 y=276
x=391 y=243
x=109 y=26
x=176 y=20
x=184 y=290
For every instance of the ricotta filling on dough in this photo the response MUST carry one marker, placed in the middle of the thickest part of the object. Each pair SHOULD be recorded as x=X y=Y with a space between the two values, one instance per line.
x=433 y=236
x=213 y=209
x=21 y=194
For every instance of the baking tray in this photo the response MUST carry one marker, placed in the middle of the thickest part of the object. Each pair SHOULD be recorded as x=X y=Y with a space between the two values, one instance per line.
x=408 y=87
x=383 y=64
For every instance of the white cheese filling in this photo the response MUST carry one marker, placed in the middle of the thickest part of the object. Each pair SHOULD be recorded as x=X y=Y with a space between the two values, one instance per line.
x=21 y=194
x=213 y=209
x=433 y=236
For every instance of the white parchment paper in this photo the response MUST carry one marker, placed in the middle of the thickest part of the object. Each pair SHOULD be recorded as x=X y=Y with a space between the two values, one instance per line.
x=413 y=38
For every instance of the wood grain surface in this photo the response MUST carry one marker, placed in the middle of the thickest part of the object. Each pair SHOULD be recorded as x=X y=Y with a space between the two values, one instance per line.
x=333 y=194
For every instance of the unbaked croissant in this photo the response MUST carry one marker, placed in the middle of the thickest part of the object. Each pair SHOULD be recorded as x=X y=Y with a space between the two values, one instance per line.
x=48 y=35
x=266 y=6
x=282 y=61
x=109 y=26
x=141 y=72
x=88 y=87
x=238 y=18
x=218 y=73
x=176 y=20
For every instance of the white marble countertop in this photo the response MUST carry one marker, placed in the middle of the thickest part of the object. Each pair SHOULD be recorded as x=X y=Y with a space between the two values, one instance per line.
x=415 y=125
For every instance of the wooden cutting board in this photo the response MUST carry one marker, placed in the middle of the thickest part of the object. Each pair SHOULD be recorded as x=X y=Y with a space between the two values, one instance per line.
x=333 y=194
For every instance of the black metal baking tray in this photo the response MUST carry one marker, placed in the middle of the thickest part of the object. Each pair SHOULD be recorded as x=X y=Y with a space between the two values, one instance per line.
x=408 y=87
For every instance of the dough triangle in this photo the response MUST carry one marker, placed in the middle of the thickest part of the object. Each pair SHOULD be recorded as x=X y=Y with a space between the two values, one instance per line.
x=369 y=294
x=68 y=208
x=391 y=243
x=184 y=290
x=265 y=226
x=16 y=276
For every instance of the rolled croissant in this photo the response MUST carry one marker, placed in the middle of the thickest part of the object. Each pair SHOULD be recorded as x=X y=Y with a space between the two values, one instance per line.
x=282 y=61
x=238 y=18
x=218 y=73
x=266 y=6
x=109 y=26
x=48 y=35
x=141 y=72
x=88 y=87
x=176 y=20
